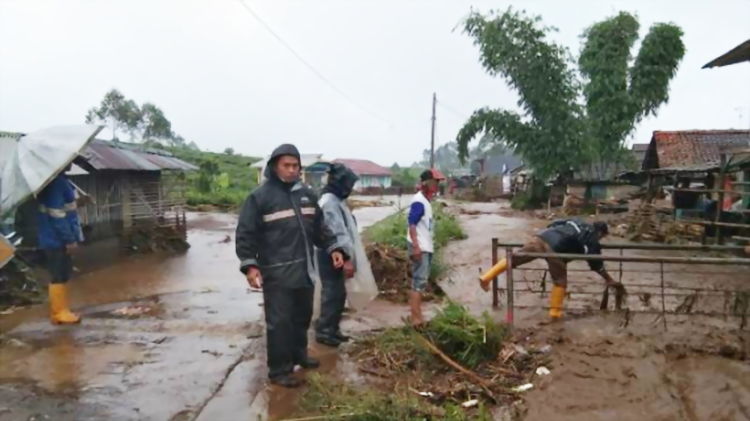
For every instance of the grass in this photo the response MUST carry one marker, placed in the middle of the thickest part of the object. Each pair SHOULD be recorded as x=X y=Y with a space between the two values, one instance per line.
x=468 y=340
x=392 y=232
x=337 y=400
x=399 y=356
x=227 y=183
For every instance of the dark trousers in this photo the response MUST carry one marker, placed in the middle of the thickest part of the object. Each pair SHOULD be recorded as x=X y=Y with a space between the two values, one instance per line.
x=59 y=264
x=332 y=297
x=558 y=269
x=288 y=313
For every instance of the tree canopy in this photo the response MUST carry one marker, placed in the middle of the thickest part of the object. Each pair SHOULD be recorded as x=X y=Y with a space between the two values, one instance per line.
x=147 y=122
x=570 y=119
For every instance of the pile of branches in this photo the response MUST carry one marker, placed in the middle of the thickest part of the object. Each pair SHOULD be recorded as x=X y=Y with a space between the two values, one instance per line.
x=454 y=356
x=392 y=270
x=150 y=239
x=18 y=286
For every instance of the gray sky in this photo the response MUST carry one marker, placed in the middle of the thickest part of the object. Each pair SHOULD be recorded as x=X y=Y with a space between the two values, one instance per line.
x=225 y=81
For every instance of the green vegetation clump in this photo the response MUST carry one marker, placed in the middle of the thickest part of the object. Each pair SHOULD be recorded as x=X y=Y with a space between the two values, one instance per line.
x=336 y=400
x=222 y=180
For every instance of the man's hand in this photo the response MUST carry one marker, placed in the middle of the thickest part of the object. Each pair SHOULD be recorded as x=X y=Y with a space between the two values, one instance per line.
x=338 y=259
x=71 y=248
x=254 y=278
x=348 y=269
x=416 y=253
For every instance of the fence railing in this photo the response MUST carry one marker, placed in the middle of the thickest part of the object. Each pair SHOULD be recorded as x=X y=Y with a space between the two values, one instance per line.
x=735 y=302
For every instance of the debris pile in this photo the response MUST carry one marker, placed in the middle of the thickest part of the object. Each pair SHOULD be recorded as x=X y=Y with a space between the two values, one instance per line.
x=455 y=358
x=649 y=223
x=18 y=286
x=392 y=270
x=155 y=238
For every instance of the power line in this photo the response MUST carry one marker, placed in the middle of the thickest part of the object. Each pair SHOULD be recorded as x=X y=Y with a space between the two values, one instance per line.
x=307 y=64
x=453 y=110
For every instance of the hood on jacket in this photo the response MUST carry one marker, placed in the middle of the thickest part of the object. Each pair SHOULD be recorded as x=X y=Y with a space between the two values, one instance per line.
x=283 y=150
x=341 y=181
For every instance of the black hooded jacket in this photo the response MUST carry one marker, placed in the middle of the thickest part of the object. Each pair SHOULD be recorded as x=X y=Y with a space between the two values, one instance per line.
x=278 y=226
x=341 y=181
x=573 y=236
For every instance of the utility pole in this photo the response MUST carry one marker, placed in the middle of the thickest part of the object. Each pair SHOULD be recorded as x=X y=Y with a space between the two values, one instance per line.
x=432 y=136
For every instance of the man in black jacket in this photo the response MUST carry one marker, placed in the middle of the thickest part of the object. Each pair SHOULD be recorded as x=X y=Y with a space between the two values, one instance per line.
x=279 y=224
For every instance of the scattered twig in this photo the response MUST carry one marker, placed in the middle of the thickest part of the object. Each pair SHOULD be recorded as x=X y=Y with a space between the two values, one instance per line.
x=465 y=371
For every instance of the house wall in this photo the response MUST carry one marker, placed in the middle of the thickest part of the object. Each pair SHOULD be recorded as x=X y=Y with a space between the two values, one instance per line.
x=368 y=181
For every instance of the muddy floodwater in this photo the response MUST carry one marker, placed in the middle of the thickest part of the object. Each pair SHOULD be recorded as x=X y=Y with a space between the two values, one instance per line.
x=182 y=338
x=163 y=338
x=617 y=365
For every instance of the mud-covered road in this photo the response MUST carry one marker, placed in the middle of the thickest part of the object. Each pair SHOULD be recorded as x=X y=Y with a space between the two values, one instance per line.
x=163 y=338
x=616 y=365
x=181 y=338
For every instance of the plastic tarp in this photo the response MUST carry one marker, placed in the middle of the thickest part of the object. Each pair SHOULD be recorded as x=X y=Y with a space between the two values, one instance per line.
x=37 y=159
x=361 y=289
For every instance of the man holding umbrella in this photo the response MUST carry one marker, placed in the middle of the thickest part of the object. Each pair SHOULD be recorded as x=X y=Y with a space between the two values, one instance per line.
x=34 y=165
x=59 y=235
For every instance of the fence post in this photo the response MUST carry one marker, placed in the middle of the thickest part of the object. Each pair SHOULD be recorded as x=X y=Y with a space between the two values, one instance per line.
x=509 y=287
x=663 y=304
x=494 y=280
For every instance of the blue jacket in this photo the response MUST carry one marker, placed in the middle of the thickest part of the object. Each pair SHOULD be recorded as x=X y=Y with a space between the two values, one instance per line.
x=58 y=217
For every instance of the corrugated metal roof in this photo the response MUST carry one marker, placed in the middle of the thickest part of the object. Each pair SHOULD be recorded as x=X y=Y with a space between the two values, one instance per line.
x=105 y=155
x=692 y=150
x=364 y=167
x=308 y=159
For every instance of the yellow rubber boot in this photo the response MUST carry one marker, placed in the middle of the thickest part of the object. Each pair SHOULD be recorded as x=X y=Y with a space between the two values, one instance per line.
x=60 y=314
x=500 y=267
x=556 y=299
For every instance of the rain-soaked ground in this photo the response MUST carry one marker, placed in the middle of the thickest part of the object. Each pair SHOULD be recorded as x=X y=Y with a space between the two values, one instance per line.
x=181 y=338
x=163 y=338
x=617 y=365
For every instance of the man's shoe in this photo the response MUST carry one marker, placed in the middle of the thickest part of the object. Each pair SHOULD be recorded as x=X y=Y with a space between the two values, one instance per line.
x=287 y=381
x=328 y=341
x=309 y=363
x=341 y=337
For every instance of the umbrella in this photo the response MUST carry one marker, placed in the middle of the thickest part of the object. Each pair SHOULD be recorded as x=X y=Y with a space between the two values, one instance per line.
x=37 y=159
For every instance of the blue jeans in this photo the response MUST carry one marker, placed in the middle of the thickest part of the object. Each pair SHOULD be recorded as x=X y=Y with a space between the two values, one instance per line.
x=420 y=270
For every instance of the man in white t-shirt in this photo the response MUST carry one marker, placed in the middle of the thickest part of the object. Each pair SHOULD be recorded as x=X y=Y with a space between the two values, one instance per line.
x=420 y=241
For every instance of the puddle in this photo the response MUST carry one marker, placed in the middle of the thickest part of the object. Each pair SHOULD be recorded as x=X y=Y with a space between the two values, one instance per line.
x=62 y=365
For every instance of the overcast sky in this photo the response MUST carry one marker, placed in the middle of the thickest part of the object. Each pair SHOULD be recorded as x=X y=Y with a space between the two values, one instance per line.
x=225 y=81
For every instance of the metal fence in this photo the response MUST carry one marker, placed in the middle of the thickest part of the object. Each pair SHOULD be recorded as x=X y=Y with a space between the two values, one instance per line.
x=669 y=288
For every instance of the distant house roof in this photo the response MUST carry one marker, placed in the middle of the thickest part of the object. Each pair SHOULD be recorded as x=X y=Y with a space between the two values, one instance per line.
x=738 y=54
x=639 y=153
x=107 y=155
x=692 y=150
x=364 y=167
x=495 y=164
x=308 y=159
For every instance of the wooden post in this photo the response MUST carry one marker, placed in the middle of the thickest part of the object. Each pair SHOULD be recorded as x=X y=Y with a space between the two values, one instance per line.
x=720 y=202
x=509 y=287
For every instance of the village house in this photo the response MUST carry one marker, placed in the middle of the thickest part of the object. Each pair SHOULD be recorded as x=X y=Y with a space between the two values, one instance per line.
x=130 y=187
x=371 y=175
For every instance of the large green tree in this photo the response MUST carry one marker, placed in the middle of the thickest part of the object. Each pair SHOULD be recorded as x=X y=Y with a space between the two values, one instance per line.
x=570 y=119
x=117 y=112
x=148 y=122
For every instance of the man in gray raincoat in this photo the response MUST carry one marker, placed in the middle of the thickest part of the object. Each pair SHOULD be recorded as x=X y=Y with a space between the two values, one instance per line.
x=340 y=221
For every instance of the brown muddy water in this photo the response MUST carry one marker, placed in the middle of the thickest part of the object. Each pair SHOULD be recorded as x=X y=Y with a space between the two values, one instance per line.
x=163 y=338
